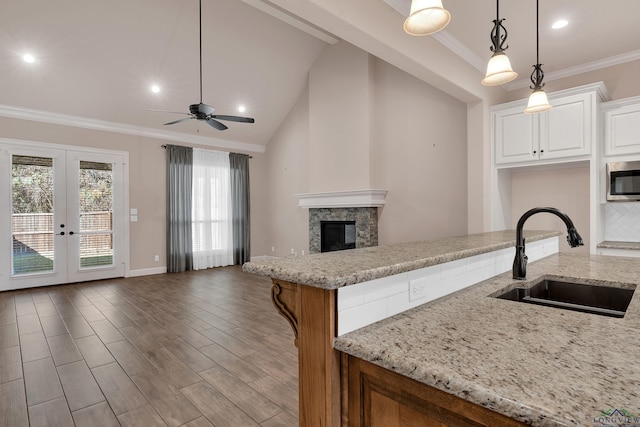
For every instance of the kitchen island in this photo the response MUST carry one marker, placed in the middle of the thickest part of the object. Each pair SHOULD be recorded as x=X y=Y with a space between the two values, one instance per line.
x=541 y=366
x=305 y=292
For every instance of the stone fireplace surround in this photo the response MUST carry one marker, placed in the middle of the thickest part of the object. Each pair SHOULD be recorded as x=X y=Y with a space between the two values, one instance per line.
x=366 y=225
x=360 y=206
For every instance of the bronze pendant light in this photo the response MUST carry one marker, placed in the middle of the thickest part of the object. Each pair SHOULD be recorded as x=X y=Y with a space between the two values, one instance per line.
x=538 y=101
x=499 y=69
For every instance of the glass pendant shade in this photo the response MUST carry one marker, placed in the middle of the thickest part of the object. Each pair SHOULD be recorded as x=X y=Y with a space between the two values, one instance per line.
x=538 y=102
x=499 y=70
x=426 y=17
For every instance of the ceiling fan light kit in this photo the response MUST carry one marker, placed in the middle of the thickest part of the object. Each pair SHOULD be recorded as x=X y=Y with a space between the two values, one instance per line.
x=203 y=111
x=426 y=17
x=538 y=101
x=499 y=69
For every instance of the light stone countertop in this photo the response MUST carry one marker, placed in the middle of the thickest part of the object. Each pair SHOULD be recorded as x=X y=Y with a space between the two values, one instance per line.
x=332 y=270
x=620 y=245
x=540 y=365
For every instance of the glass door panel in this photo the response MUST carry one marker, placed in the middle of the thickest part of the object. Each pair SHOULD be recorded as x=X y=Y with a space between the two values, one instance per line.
x=96 y=214
x=32 y=215
x=95 y=193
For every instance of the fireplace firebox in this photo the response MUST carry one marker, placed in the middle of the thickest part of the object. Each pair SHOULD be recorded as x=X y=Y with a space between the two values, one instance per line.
x=337 y=235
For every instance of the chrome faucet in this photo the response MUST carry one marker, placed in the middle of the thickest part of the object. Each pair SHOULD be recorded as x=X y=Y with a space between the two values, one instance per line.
x=520 y=261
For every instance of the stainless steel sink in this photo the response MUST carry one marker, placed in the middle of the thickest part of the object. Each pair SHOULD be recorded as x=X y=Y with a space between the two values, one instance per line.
x=588 y=298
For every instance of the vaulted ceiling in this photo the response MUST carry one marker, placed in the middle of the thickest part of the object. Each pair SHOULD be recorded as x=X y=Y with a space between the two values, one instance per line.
x=98 y=59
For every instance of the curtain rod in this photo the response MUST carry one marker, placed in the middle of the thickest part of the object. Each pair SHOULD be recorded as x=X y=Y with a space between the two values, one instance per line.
x=251 y=157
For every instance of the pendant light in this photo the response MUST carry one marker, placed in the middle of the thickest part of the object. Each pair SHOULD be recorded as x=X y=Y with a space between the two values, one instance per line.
x=538 y=101
x=426 y=17
x=499 y=69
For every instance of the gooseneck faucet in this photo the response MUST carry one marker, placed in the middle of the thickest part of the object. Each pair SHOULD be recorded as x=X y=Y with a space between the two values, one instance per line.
x=520 y=261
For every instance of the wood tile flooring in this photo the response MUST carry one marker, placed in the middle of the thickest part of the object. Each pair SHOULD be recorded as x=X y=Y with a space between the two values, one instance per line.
x=193 y=349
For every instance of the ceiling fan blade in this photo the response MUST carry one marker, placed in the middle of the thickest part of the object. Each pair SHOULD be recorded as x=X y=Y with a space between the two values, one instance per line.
x=179 y=121
x=215 y=124
x=234 y=118
x=165 y=111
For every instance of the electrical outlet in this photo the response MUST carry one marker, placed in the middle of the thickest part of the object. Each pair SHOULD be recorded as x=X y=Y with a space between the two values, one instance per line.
x=303 y=252
x=416 y=290
x=157 y=258
x=273 y=248
x=292 y=251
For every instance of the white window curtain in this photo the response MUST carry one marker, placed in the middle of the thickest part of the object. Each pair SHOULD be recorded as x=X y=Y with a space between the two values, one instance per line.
x=211 y=219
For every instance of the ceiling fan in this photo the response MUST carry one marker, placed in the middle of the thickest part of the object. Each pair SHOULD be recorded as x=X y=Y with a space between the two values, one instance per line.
x=202 y=111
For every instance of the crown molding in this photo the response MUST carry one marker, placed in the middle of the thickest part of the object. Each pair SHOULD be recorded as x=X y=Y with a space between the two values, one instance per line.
x=343 y=199
x=444 y=37
x=619 y=103
x=105 y=126
x=454 y=45
x=634 y=55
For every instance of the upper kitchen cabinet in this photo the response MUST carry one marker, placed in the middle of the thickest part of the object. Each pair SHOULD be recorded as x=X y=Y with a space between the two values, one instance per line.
x=622 y=126
x=567 y=132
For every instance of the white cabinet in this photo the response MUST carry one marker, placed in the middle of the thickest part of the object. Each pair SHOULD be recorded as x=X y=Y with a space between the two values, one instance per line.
x=515 y=134
x=567 y=131
x=622 y=127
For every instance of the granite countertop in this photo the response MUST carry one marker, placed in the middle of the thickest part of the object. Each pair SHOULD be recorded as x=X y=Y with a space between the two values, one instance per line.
x=620 y=245
x=540 y=365
x=332 y=270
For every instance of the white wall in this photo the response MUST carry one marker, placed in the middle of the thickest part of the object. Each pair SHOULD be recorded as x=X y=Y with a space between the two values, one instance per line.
x=288 y=174
x=415 y=147
x=339 y=121
x=419 y=152
x=566 y=189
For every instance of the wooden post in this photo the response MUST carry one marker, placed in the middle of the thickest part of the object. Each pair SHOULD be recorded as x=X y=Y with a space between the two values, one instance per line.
x=311 y=312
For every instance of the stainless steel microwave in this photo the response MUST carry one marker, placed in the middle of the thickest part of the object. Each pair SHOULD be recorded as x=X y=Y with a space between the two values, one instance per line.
x=623 y=181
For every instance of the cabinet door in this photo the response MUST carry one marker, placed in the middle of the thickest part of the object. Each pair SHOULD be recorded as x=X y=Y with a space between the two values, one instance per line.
x=377 y=397
x=622 y=130
x=515 y=135
x=565 y=130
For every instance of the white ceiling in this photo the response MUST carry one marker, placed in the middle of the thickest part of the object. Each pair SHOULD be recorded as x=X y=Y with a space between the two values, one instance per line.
x=97 y=59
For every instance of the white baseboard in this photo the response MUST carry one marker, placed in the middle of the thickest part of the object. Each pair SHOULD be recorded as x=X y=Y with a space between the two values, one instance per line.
x=146 y=271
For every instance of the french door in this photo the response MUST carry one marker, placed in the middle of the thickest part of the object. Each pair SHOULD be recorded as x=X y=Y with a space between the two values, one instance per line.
x=61 y=215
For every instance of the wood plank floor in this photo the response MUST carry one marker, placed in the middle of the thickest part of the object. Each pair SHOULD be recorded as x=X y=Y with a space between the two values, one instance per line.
x=194 y=349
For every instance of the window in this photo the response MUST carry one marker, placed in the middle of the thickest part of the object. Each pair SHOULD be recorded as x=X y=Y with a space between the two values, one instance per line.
x=212 y=237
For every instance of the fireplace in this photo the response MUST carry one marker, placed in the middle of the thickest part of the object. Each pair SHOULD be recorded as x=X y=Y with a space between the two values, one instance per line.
x=357 y=226
x=337 y=235
x=357 y=209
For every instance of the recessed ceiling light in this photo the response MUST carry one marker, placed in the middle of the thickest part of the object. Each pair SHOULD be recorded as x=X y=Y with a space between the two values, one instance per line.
x=155 y=89
x=28 y=58
x=560 y=23
x=242 y=109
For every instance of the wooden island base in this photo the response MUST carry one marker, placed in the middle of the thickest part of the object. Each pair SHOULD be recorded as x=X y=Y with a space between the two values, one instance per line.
x=311 y=312
x=377 y=397
x=336 y=389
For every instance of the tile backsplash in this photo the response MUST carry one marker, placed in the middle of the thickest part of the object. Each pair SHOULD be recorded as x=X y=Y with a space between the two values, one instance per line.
x=622 y=222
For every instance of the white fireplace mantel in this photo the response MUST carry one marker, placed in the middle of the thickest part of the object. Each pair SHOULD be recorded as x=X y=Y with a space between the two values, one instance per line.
x=343 y=199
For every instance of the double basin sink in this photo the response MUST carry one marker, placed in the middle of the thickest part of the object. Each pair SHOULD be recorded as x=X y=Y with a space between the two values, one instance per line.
x=602 y=299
